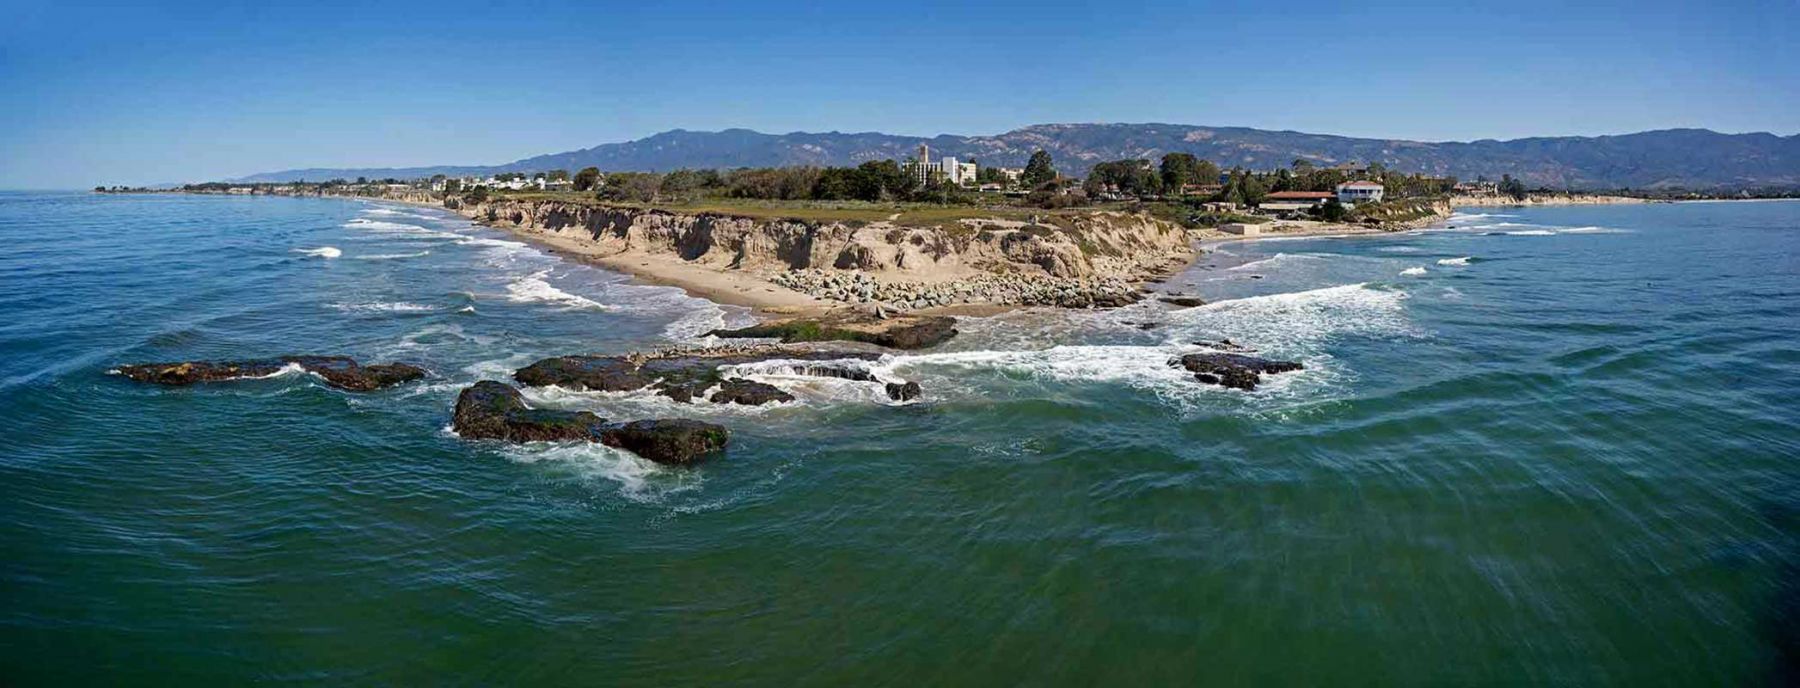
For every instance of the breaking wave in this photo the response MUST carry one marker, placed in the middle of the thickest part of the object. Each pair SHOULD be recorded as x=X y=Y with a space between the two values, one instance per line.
x=393 y=256
x=1414 y=271
x=321 y=252
x=533 y=289
x=1454 y=262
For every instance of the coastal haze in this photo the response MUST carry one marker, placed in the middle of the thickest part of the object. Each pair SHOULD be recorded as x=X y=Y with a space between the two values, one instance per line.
x=1686 y=158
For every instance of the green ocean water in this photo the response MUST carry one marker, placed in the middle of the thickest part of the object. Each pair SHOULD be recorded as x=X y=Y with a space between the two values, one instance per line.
x=1546 y=446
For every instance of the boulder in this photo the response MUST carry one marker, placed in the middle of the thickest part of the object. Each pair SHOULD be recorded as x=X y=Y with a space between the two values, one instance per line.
x=903 y=391
x=677 y=441
x=1183 y=301
x=749 y=393
x=1236 y=371
x=337 y=371
x=495 y=410
x=490 y=410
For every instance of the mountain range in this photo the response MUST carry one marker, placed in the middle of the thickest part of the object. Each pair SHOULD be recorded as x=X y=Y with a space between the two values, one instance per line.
x=1692 y=158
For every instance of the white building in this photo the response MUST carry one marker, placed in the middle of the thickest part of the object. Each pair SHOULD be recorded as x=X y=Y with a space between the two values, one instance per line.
x=946 y=168
x=1352 y=193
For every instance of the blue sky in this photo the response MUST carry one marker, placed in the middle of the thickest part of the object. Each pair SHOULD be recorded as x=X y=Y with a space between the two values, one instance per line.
x=146 y=92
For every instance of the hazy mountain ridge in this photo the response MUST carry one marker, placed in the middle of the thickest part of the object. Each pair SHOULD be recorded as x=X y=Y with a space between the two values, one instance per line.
x=1696 y=158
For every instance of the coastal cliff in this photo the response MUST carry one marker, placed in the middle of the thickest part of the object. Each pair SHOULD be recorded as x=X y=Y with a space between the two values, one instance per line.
x=1088 y=259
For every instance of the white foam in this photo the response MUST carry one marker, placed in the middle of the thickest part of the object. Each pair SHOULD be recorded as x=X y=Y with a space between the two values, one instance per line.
x=533 y=289
x=1454 y=262
x=1414 y=271
x=400 y=229
x=638 y=479
x=1532 y=232
x=1271 y=261
x=384 y=307
x=393 y=256
x=479 y=241
x=1592 y=230
x=1398 y=249
x=321 y=252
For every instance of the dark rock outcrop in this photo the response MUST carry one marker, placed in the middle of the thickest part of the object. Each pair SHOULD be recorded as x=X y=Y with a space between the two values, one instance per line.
x=904 y=332
x=903 y=391
x=1236 y=371
x=1183 y=301
x=676 y=441
x=337 y=371
x=749 y=393
x=685 y=377
x=495 y=410
x=490 y=410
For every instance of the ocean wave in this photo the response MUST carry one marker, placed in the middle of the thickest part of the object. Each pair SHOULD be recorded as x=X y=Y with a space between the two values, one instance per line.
x=400 y=229
x=321 y=252
x=1414 y=271
x=1592 y=230
x=1271 y=261
x=1398 y=249
x=385 y=307
x=533 y=289
x=637 y=479
x=1531 y=232
x=480 y=241
x=394 y=212
x=393 y=256
x=1455 y=262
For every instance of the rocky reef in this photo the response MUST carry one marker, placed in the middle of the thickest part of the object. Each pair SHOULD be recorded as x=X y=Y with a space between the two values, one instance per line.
x=1234 y=370
x=496 y=411
x=1013 y=289
x=685 y=376
x=899 y=332
x=337 y=371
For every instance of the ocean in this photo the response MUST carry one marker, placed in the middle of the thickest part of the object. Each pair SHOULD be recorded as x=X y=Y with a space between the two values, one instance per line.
x=1541 y=446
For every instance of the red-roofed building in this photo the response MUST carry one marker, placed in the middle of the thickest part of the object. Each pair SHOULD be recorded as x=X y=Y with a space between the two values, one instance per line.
x=1293 y=200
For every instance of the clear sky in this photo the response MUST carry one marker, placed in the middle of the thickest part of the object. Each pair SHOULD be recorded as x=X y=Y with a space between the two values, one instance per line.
x=147 y=92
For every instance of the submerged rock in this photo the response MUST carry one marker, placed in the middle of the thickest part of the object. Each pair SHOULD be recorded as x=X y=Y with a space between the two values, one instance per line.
x=1183 y=301
x=1236 y=371
x=896 y=332
x=495 y=410
x=338 y=371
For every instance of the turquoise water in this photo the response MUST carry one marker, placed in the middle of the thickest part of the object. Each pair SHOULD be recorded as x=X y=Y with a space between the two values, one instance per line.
x=1547 y=446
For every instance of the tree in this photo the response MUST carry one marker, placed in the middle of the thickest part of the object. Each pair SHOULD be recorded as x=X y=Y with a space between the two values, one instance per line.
x=1179 y=170
x=1038 y=170
x=1332 y=211
x=452 y=185
x=587 y=178
x=560 y=175
x=1512 y=187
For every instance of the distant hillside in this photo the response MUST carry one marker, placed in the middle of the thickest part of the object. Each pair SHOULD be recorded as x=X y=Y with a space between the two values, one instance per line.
x=1695 y=158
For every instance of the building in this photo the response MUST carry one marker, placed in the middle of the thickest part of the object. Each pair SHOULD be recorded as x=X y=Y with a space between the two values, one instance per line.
x=1010 y=174
x=946 y=168
x=1477 y=189
x=1241 y=229
x=1290 y=201
x=1352 y=193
